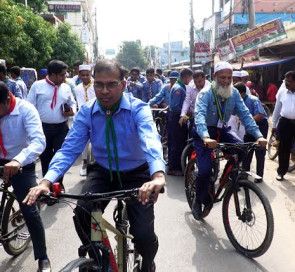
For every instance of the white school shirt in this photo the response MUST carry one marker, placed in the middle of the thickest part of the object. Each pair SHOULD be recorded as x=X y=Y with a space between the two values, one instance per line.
x=81 y=95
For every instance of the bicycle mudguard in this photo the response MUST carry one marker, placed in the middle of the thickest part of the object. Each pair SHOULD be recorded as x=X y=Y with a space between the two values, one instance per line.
x=78 y=263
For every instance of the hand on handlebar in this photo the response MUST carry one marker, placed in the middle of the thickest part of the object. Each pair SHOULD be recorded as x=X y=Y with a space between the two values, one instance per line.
x=43 y=187
x=153 y=186
x=262 y=142
x=210 y=143
x=181 y=120
x=10 y=169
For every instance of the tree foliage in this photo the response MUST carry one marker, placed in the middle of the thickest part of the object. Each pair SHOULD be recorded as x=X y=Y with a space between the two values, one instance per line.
x=25 y=37
x=131 y=54
x=67 y=46
x=35 y=5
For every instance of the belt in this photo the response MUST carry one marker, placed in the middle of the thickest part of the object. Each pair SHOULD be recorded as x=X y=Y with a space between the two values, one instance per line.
x=140 y=168
x=55 y=125
x=292 y=121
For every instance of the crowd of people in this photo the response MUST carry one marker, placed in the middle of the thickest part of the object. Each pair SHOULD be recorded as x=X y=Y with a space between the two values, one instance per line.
x=112 y=113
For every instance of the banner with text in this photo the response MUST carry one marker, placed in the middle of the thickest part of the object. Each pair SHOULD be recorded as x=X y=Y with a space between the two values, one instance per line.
x=202 y=52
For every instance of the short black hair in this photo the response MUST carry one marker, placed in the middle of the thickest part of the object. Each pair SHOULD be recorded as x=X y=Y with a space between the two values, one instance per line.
x=3 y=69
x=241 y=87
x=198 y=73
x=78 y=63
x=159 y=71
x=290 y=74
x=15 y=70
x=135 y=69
x=106 y=65
x=150 y=71
x=4 y=93
x=186 y=72
x=56 y=67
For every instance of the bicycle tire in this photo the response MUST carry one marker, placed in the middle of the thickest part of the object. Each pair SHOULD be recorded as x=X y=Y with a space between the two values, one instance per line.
x=186 y=155
x=131 y=258
x=83 y=264
x=267 y=110
x=271 y=150
x=238 y=231
x=291 y=168
x=13 y=224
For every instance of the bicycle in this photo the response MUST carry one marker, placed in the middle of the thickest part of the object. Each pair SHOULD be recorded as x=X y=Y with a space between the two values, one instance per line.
x=246 y=212
x=14 y=234
x=126 y=257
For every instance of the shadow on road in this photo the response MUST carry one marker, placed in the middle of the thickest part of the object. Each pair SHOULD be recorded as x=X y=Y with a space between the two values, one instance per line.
x=175 y=188
x=217 y=251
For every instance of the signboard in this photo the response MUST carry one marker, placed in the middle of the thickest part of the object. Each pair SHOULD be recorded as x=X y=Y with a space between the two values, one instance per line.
x=85 y=36
x=202 y=52
x=254 y=38
x=65 y=7
x=110 y=52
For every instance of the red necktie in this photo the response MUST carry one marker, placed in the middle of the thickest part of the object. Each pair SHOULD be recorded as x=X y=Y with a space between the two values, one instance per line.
x=12 y=105
x=53 y=102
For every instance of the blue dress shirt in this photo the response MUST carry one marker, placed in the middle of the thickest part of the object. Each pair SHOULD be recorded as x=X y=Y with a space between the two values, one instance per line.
x=23 y=87
x=177 y=96
x=163 y=95
x=22 y=133
x=13 y=87
x=137 y=138
x=156 y=86
x=206 y=113
x=254 y=105
x=136 y=89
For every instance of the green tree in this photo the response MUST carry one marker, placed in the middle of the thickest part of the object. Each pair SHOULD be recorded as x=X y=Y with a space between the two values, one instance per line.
x=36 y=5
x=131 y=54
x=67 y=46
x=25 y=37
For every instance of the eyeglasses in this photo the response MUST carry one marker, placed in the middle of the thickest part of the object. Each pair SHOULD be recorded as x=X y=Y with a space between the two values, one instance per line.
x=109 y=85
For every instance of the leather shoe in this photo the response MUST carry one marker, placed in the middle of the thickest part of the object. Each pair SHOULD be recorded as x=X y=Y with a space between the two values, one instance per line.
x=258 y=180
x=44 y=265
x=280 y=177
x=197 y=209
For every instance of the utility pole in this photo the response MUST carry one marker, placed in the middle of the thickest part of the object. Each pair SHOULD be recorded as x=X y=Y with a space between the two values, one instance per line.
x=192 y=37
x=229 y=21
x=251 y=9
x=95 y=44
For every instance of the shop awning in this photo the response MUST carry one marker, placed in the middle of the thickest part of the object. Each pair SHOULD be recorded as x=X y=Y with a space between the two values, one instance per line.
x=261 y=63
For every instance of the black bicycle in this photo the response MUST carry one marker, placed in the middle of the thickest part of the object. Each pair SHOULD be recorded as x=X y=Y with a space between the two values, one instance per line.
x=125 y=257
x=14 y=234
x=246 y=211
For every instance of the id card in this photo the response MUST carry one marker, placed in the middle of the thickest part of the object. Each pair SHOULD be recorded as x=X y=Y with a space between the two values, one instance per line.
x=220 y=124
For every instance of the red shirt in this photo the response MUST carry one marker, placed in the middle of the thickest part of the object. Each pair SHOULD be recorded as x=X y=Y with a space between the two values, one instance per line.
x=271 y=92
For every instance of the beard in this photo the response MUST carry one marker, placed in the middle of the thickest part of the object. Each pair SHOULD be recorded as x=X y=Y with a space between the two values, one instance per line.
x=224 y=92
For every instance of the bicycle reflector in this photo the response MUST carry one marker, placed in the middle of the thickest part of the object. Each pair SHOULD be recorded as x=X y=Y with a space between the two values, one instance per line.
x=56 y=188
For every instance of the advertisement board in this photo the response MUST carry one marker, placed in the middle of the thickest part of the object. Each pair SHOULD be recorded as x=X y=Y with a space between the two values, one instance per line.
x=202 y=52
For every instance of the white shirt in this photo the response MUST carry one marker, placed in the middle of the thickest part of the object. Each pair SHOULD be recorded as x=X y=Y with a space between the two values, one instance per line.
x=190 y=97
x=22 y=133
x=80 y=92
x=41 y=94
x=285 y=105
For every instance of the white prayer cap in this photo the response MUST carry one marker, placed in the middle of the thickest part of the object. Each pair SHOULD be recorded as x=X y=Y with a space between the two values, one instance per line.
x=244 y=73
x=84 y=67
x=236 y=73
x=222 y=65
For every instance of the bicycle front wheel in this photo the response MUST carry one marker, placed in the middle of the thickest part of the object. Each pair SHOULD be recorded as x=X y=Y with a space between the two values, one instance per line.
x=248 y=219
x=272 y=151
x=186 y=155
x=190 y=174
x=14 y=229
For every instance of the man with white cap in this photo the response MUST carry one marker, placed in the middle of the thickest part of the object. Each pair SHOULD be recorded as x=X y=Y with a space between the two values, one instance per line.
x=84 y=92
x=213 y=109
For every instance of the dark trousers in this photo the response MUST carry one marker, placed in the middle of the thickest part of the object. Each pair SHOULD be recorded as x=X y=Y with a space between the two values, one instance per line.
x=141 y=217
x=204 y=161
x=21 y=183
x=259 y=153
x=177 y=136
x=286 y=130
x=55 y=135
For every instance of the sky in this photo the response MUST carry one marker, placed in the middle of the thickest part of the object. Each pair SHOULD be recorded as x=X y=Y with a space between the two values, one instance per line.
x=154 y=22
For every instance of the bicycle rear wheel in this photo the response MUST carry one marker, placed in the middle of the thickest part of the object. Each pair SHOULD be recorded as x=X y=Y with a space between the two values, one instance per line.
x=14 y=229
x=186 y=155
x=248 y=219
x=272 y=151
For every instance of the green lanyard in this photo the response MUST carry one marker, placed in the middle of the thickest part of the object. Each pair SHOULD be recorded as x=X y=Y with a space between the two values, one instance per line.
x=221 y=110
x=110 y=126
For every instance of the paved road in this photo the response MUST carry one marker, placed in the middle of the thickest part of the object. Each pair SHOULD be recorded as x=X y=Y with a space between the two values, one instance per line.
x=185 y=245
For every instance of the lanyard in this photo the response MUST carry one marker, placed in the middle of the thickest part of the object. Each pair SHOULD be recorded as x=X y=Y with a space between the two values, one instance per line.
x=221 y=110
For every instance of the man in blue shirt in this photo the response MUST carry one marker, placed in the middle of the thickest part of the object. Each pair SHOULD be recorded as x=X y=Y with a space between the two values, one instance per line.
x=151 y=86
x=214 y=106
x=15 y=75
x=134 y=86
x=259 y=115
x=127 y=151
x=11 y=84
x=177 y=134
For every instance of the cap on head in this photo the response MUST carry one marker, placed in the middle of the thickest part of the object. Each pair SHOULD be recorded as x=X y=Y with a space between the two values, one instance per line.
x=174 y=74
x=43 y=72
x=222 y=65
x=236 y=73
x=244 y=73
x=84 y=67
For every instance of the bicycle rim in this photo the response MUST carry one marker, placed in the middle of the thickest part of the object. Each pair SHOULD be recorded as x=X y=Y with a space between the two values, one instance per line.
x=190 y=181
x=14 y=228
x=271 y=150
x=185 y=156
x=250 y=233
